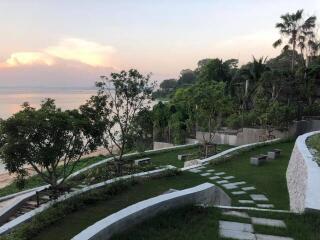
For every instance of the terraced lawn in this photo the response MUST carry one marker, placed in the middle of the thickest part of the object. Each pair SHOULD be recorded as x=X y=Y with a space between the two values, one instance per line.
x=95 y=209
x=268 y=179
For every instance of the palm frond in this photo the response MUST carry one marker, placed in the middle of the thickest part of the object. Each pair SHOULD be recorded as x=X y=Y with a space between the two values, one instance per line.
x=277 y=43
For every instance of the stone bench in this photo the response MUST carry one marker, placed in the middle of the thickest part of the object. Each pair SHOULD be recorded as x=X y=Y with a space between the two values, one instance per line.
x=183 y=157
x=274 y=153
x=258 y=160
x=142 y=161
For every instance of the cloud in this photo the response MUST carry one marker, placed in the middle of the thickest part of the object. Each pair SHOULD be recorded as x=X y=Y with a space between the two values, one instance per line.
x=86 y=52
x=67 y=50
x=29 y=58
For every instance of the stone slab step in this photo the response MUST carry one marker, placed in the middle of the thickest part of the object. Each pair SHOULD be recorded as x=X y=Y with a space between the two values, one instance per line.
x=259 y=197
x=268 y=222
x=230 y=234
x=238 y=193
x=271 y=237
x=236 y=214
x=236 y=226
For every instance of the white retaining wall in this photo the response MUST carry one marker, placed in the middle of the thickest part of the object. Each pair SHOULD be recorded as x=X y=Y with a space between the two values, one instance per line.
x=245 y=136
x=206 y=193
x=303 y=177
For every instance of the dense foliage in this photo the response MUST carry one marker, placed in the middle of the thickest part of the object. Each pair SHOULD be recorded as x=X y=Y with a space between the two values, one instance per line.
x=49 y=140
x=264 y=93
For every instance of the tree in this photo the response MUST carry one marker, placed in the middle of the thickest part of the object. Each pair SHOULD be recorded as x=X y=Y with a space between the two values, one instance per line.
x=168 y=84
x=252 y=73
x=120 y=98
x=295 y=29
x=211 y=105
x=187 y=77
x=48 y=139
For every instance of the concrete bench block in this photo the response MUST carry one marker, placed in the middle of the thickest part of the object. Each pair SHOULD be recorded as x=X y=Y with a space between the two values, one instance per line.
x=142 y=161
x=258 y=160
x=273 y=154
x=183 y=157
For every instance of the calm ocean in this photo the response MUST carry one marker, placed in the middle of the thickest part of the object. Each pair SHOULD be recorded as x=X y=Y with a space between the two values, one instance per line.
x=66 y=98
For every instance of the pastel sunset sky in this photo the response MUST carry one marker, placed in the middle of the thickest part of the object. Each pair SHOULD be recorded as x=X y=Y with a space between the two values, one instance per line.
x=72 y=42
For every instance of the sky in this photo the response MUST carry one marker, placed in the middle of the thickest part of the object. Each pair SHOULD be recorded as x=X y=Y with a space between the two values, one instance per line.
x=61 y=43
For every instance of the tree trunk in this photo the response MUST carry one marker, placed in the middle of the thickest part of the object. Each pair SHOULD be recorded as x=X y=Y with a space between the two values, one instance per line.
x=293 y=55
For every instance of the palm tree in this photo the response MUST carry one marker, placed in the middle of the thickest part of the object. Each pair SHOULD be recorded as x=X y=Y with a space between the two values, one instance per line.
x=296 y=30
x=252 y=74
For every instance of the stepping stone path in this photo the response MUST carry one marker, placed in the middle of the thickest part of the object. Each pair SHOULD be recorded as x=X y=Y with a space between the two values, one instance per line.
x=245 y=231
x=236 y=188
x=239 y=230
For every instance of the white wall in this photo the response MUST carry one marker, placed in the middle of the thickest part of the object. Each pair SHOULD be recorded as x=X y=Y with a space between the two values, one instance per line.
x=161 y=145
x=245 y=136
x=303 y=177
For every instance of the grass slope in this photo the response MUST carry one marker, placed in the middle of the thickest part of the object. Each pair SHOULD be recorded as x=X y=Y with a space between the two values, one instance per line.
x=188 y=223
x=269 y=179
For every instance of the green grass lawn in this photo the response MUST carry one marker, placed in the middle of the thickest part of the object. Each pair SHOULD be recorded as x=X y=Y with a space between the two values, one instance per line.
x=269 y=179
x=72 y=223
x=188 y=223
x=191 y=223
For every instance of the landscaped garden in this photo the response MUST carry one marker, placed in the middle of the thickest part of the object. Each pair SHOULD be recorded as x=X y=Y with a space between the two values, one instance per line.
x=68 y=218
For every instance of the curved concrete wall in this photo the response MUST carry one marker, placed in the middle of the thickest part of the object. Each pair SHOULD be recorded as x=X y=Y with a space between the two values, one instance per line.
x=206 y=193
x=303 y=177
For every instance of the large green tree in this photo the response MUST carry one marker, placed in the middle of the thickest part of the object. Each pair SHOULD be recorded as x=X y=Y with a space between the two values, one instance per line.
x=48 y=139
x=113 y=111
